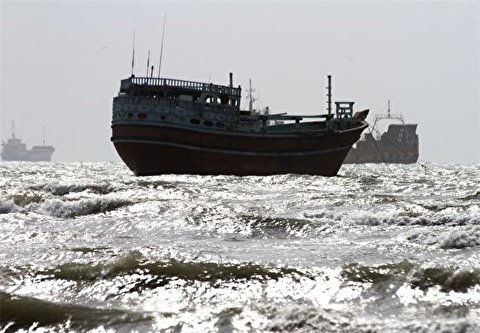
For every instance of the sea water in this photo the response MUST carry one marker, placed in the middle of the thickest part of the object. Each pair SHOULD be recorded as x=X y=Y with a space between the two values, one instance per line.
x=90 y=247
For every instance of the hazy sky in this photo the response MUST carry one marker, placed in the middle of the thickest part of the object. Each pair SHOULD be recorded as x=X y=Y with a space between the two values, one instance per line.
x=61 y=63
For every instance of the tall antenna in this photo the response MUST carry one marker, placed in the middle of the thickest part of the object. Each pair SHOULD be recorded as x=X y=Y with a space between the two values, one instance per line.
x=251 y=99
x=161 y=47
x=43 y=137
x=148 y=62
x=13 y=129
x=133 y=51
x=329 y=95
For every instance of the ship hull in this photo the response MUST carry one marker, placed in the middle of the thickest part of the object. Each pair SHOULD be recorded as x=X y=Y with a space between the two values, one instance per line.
x=29 y=156
x=160 y=149
x=358 y=157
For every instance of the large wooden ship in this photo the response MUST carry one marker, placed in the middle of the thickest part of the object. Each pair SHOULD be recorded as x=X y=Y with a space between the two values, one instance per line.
x=399 y=144
x=170 y=126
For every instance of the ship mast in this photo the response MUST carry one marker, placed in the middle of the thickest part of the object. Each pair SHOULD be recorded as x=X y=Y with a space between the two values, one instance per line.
x=43 y=135
x=148 y=62
x=387 y=116
x=13 y=129
x=133 y=52
x=251 y=99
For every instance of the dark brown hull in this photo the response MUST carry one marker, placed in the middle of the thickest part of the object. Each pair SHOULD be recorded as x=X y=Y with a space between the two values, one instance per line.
x=157 y=149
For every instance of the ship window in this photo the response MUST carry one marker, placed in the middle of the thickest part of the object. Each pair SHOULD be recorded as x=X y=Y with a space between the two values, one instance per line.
x=130 y=115
x=224 y=99
x=162 y=117
x=185 y=98
x=207 y=123
x=195 y=121
x=220 y=125
x=208 y=99
x=142 y=115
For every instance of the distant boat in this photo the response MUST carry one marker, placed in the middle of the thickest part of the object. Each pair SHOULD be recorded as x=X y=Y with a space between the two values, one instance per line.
x=399 y=144
x=162 y=126
x=15 y=150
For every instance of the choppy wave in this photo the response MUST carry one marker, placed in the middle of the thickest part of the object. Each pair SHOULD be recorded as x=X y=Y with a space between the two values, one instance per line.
x=460 y=239
x=149 y=183
x=27 y=312
x=445 y=278
x=134 y=263
x=473 y=196
x=61 y=208
x=250 y=225
x=276 y=226
x=25 y=199
x=7 y=206
x=276 y=254
x=374 y=274
x=64 y=189
x=151 y=274
x=66 y=209
x=454 y=238
x=444 y=217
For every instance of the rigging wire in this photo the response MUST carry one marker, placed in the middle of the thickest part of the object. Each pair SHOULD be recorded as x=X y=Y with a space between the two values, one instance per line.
x=378 y=150
x=394 y=145
x=161 y=47
x=390 y=142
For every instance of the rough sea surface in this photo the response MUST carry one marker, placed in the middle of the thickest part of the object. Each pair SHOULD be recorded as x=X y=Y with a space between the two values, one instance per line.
x=90 y=247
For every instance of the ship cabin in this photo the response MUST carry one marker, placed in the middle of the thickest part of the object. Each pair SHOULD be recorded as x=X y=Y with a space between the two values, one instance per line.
x=208 y=105
x=162 y=99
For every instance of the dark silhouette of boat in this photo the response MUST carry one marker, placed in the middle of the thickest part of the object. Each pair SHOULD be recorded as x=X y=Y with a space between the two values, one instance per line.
x=15 y=150
x=170 y=126
x=399 y=144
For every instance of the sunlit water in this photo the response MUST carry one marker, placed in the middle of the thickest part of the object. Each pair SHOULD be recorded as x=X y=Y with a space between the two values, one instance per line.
x=88 y=246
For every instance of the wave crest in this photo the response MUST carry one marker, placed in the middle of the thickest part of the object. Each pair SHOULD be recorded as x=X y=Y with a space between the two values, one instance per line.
x=23 y=312
x=26 y=199
x=446 y=278
x=460 y=239
x=68 y=209
x=165 y=271
x=7 y=206
x=64 y=189
x=374 y=274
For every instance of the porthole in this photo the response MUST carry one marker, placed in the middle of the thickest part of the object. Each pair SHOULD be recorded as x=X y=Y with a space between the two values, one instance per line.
x=195 y=121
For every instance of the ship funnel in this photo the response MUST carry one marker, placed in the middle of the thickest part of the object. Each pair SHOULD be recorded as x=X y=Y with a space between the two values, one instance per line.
x=231 y=79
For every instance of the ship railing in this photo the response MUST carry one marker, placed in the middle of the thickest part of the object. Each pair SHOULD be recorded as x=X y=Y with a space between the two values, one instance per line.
x=193 y=85
x=285 y=117
x=143 y=100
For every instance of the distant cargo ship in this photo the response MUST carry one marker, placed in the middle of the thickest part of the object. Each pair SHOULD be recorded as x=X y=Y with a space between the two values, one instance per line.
x=15 y=150
x=399 y=144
